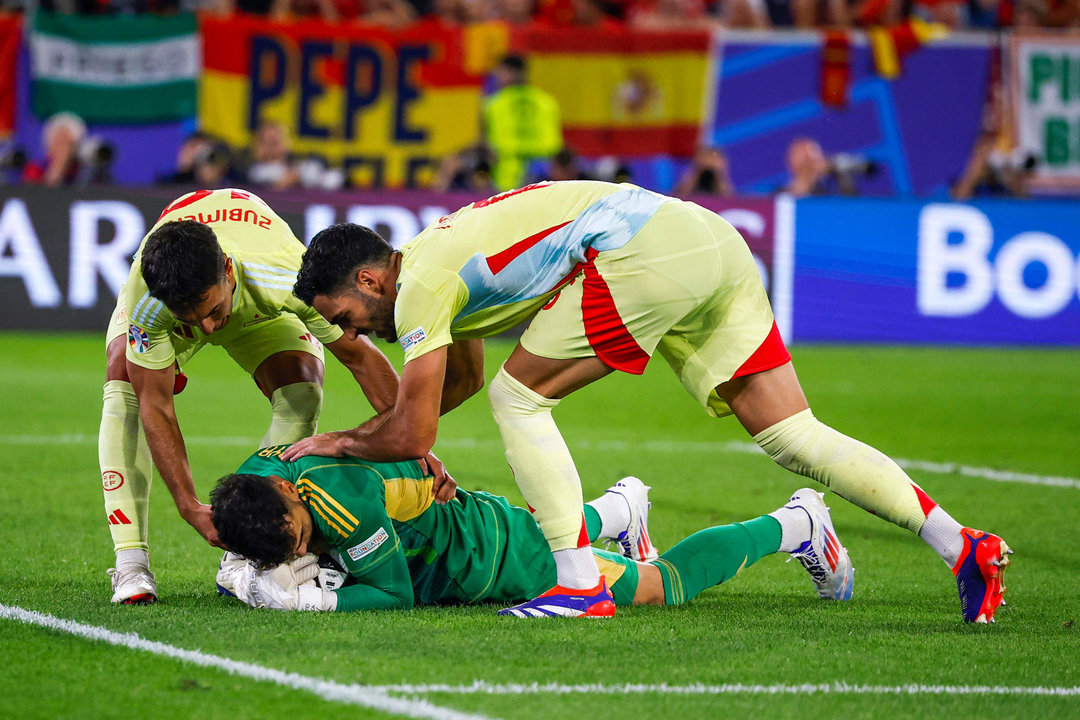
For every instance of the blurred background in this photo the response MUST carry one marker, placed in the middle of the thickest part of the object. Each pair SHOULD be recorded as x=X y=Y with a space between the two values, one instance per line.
x=904 y=170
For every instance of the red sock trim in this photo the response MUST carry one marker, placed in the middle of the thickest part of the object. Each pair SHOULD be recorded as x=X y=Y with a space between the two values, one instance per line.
x=583 y=536
x=925 y=501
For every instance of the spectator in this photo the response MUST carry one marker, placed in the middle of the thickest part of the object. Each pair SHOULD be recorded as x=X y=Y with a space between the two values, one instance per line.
x=466 y=171
x=271 y=163
x=565 y=166
x=670 y=15
x=744 y=14
x=461 y=12
x=393 y=14
x=515 y=12
x=580 y=13
x=521 y=123
x=706 y=174
x=61 y=136
x=808 y=170
x=202 y=160
x=807 y=14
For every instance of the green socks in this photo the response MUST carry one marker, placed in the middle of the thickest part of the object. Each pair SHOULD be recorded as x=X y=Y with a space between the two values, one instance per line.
x=713 y=556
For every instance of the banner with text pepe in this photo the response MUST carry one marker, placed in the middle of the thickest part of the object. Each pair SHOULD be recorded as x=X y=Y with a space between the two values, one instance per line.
x=386 y=106
x=1046 y=98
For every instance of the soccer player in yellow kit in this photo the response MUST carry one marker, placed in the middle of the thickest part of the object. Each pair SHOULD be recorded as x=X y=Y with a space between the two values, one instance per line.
x=606 y=275
x=217 y=268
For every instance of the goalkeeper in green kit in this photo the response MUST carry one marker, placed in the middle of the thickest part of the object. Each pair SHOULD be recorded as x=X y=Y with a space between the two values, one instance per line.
x=398 y=549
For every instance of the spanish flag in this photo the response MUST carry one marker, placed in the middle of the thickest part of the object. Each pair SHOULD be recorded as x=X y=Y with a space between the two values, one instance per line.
x=622 y=93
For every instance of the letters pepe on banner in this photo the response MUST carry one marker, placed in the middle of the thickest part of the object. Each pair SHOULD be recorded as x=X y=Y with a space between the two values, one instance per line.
x=1046 y=102
x=386 y=106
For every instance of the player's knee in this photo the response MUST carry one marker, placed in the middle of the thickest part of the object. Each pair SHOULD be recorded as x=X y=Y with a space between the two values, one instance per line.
x=511 y=399
x=788 y=441
x=298 y=404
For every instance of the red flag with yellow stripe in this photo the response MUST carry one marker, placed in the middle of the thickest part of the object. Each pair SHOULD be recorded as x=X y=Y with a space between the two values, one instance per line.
x=623 y=93
x=385 y=105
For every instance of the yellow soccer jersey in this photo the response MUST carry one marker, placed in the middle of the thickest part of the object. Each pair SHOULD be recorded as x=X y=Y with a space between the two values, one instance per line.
x=265 y=256
x=495 y=263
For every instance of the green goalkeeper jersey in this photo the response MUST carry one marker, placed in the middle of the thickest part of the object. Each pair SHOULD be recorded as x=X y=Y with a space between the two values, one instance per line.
x=379 y=522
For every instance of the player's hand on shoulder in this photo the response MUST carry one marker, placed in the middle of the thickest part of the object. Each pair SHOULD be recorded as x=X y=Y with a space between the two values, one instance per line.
x=331 y=444
x=444 y=486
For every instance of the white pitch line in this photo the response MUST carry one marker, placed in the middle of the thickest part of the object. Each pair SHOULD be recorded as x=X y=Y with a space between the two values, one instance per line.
x=653 y=446
x=481 y=687
x=361 y=695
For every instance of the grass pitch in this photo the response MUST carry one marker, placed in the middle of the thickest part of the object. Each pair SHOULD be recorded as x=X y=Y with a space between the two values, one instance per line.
x=1006 y=410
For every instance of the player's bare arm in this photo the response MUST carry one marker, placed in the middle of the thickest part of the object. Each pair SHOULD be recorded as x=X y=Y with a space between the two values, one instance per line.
x=464 y=373
x=373 y=372
x=154 y=388
x=408 y=431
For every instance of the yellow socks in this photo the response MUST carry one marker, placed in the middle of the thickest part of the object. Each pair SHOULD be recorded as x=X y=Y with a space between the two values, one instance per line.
x=126 y=467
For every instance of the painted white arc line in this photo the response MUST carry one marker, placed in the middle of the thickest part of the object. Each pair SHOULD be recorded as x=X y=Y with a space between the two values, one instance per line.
x=361 y=695
x=657 y=446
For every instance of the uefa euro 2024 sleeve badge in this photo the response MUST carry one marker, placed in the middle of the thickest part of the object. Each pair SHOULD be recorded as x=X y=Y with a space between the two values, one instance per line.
x=138 y=339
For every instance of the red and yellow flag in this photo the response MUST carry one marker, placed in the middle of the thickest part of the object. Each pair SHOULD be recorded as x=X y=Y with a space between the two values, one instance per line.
x=385 y=105
x=623 y=93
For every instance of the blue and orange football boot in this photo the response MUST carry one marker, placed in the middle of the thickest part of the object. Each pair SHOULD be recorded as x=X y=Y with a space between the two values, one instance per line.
x=566 y=602
x=978 y=574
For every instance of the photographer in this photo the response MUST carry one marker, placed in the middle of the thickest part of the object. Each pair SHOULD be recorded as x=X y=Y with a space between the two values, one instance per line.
x=707 y=174
x=810 y=172
x=61 y=137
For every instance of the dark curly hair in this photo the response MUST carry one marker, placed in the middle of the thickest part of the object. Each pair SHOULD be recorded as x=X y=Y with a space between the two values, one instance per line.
x=335 y=254
x=181 y=261
x=249 y=513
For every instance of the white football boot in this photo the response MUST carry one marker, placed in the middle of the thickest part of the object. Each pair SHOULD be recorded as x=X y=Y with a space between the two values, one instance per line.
x=133 y=585
x=634 y=541
x=822 y=554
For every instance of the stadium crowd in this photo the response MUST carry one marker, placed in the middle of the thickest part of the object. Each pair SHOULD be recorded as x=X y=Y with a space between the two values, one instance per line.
x=70 y=156
x=613 y=14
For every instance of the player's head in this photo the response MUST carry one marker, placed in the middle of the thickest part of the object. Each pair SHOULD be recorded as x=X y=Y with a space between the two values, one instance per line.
x=261 y=518
x=346 y=276
x=511 y=70
x=184 y=267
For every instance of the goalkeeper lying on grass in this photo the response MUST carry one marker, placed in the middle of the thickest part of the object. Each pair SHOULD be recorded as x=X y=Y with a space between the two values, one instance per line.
x=398 y=549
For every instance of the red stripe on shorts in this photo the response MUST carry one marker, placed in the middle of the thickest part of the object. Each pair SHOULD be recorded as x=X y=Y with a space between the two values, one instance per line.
x=500 y=260
x=770 y=354
x=604 y=328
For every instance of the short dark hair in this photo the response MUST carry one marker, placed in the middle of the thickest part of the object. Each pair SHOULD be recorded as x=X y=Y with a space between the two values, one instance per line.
x=514 y=62
x=181 y=260
x=249 y=514
x=334 y=256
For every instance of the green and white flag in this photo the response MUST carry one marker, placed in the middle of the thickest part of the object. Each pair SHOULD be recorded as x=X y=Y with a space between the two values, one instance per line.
x=1046 y=99
x=115 y=70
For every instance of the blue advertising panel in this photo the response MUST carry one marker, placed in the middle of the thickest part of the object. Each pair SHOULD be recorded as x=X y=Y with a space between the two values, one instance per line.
x=917 y=130
x=905 y=271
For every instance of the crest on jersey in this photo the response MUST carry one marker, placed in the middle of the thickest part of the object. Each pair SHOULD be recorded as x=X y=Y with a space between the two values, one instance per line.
x=138 y=339
x=416 y=336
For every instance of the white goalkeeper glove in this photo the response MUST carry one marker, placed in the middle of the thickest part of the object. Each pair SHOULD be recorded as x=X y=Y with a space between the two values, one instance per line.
x=289 y=586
